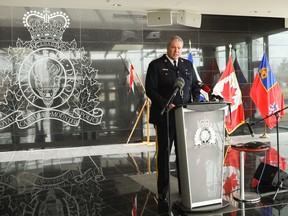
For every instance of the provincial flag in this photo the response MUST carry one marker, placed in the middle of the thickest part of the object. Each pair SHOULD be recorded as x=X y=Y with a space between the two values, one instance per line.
x=228 y=88
x=204 y=96
x=266 y=93
x=131 y=78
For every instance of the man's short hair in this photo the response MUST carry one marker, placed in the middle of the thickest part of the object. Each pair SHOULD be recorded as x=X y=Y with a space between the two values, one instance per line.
x=175 y=37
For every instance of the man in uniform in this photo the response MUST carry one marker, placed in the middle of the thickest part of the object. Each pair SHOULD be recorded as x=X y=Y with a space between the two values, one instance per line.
x=160 y=81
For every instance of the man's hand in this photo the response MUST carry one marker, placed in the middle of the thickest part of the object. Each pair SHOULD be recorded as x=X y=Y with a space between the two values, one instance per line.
x=171 y=106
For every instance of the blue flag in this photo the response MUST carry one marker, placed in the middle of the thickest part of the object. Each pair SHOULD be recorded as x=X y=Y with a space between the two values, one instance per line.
x=203 y=95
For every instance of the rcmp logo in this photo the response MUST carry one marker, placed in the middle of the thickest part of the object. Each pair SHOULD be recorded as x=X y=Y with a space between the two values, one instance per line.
x=47 y=78
x=205 y=135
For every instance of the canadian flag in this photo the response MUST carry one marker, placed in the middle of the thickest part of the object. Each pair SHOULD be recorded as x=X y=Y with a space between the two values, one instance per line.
x=231 y=172
x=134 y=206
x=131 y=78
x=228 y=88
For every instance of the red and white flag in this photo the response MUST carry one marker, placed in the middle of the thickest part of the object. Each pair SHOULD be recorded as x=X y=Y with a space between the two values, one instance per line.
x=134 y=206
x=228 y=88
x=131 y=78
x=231 y=172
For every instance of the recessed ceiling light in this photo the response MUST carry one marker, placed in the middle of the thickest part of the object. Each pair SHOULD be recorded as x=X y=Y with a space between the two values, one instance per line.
x=253 y=11
x=117 y=5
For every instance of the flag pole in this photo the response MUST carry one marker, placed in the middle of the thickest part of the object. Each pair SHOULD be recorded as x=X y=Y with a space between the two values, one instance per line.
x=265 y=127
x=227 y=137
x=264 y=134
x=146 y=105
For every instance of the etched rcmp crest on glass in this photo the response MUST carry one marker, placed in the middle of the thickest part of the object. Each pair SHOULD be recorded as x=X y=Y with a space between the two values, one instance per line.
x=205 y=135
x=48 y=78
x=44 y=75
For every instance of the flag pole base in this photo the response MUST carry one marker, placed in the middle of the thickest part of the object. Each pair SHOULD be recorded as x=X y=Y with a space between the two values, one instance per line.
x=141 y=143
x=248 y=197
x=227 y=138
x=264 y=136
x=148 y=143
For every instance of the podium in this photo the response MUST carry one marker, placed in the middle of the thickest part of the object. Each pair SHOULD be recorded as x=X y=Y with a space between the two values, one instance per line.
x=201 y=139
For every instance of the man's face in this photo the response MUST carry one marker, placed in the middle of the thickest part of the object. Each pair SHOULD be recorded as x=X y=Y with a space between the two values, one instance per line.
x=174 y=49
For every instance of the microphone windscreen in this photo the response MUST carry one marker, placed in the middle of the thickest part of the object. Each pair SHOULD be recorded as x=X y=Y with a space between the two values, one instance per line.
x=179 y=83
x=206 y=88
x=203 y=86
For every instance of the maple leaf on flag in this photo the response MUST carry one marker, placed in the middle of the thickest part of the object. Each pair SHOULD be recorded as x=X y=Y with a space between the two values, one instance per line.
x=231 y=172
x=229 y=92
x=230 y=184
x=228 y=88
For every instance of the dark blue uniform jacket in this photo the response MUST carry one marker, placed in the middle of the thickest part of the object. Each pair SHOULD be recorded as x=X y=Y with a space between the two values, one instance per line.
x=160 y=82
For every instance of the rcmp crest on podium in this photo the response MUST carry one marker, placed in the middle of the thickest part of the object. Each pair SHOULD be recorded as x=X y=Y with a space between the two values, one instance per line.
x=205 y=135
x=47 y=78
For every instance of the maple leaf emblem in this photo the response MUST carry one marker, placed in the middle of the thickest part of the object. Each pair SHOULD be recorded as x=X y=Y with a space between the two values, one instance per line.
x=230 y=183
x=229 y=93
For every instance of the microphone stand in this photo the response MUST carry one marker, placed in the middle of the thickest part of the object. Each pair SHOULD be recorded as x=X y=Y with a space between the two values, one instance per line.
x=168 y=152
x=276 y=114
x=169 y=101
x=166 y=109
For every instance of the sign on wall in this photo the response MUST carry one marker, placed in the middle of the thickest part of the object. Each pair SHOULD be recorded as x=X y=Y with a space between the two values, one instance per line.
x=47 y=78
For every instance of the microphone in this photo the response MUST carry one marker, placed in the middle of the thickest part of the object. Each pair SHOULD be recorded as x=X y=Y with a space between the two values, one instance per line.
x=178 y=85
x=250 y=129
x=203 y=86
x=214 y=97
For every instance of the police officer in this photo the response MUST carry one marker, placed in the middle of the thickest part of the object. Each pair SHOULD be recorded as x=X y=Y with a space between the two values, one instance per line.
x=160 y=85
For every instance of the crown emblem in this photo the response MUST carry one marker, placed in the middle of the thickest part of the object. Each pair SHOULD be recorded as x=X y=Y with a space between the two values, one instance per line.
x=204 y=123
x=46 y=28
x=205 y=135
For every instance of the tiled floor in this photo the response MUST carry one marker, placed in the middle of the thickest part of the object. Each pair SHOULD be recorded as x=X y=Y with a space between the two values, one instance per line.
x=110 y=180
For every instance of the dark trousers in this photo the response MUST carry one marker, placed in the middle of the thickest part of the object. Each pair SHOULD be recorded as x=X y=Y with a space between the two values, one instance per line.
x=163 y=154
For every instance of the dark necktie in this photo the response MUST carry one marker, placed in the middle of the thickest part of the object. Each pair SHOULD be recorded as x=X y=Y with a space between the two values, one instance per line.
x=175 y=65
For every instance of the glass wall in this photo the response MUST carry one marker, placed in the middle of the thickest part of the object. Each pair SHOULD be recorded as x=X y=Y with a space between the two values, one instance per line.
x=65 y=72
